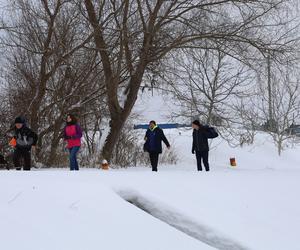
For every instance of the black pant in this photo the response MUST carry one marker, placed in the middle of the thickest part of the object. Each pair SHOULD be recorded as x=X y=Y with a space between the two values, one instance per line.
x=26 y=156
x=202 y=155
x=154 y=160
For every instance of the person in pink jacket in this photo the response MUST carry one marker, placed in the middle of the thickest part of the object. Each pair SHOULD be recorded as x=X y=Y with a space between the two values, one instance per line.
x=72 y=135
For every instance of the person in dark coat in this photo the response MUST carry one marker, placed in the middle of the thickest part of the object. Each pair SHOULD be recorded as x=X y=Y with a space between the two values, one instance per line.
x=154 y=136
x=25 y=140
x=72 y=135
x=200 y=144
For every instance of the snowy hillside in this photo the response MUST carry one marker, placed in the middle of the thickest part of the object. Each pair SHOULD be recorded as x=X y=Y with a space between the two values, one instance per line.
x=101 y=67
x=252 y=206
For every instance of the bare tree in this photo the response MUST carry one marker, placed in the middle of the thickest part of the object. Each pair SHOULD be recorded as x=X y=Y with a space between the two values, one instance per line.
x=50 y=71
x=132 y=35
x=206 y=83
x=285 y=104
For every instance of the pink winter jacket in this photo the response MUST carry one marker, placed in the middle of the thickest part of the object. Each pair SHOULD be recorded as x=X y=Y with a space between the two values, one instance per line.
x=73 y=134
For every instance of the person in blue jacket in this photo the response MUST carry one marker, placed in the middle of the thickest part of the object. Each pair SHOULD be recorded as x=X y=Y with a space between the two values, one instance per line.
x=154 y=136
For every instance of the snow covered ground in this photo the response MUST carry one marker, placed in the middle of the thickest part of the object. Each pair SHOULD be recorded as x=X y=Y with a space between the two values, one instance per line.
x=253 y=206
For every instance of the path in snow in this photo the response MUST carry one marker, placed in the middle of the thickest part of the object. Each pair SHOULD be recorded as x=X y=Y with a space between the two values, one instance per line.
x=180 y=221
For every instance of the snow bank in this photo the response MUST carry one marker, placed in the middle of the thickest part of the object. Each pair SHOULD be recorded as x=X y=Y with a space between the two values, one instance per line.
x=67 y=211
x=255 y=205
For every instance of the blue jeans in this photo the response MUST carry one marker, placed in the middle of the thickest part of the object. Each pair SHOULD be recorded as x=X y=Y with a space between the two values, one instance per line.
x=73 y=160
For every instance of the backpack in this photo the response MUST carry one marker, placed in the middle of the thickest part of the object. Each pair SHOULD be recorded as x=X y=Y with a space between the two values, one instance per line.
x=212 y=133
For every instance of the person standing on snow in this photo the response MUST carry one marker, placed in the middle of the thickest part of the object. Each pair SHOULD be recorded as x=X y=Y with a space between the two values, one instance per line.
x=25 y=140
x=200 y=143
x=72 y=135
x=154 y=136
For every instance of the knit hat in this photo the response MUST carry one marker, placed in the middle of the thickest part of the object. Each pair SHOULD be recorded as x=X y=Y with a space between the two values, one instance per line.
x=196 y=122
x=153 y=122
x=20 y=119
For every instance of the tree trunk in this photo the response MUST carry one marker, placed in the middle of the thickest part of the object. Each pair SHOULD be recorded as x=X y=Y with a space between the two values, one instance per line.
x=118 y=114
x=116 y=126
x=117 y=123
x=53 y=150
x=279 y=146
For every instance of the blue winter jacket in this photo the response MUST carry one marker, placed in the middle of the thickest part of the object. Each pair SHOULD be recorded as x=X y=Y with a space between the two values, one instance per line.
x=154 y=139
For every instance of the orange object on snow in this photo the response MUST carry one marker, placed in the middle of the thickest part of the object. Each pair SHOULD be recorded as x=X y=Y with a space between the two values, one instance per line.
x=13 y=142
x=233 y=162
x=104 y=165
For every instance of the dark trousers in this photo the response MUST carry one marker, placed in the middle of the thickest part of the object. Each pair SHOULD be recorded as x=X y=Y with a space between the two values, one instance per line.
x=18 y=156
x=73 y=158
x=154 y=160
x=202 y=156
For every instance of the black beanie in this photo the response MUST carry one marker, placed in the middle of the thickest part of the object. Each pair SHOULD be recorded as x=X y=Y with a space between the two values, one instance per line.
x=19 y=119
x=153 y=122
x=196 y=122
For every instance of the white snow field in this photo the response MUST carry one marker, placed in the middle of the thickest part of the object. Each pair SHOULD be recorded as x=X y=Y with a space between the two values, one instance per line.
x=253 y=206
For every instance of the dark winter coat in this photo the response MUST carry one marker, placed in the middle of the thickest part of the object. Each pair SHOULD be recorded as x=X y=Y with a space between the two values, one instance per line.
x=153 y=140
x=25 y=138
x=2 y=160
x=200 y=142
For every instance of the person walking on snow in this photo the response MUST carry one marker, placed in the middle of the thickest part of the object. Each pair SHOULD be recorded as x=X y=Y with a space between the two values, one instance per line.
x=154 y=136
x=200 y=143
x=25 y=140
x=72 y=135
